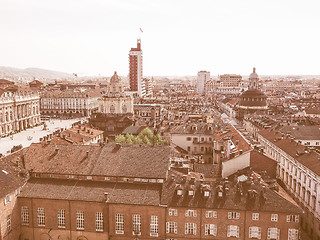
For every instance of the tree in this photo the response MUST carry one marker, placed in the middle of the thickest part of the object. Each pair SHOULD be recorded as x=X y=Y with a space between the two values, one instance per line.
x=146 y=136
x=120 y=139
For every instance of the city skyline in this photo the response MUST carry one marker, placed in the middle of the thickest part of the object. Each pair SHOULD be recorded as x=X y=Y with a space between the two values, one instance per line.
x=179 y=38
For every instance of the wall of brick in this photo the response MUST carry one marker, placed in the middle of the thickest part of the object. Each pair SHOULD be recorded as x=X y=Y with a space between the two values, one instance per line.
x=9 y=209
x=51 y=220
x=145 y=211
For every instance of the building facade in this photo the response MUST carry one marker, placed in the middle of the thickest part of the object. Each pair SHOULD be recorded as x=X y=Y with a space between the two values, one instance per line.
x=202 y=78
x=136 y=70
x=231 y=80
x=69 y=103
x=18 y=111
x=298 y=169
x=253 y=100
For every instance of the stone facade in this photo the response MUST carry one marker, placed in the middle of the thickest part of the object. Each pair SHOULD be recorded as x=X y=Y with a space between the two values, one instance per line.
x=18 y=111
x=69 y=103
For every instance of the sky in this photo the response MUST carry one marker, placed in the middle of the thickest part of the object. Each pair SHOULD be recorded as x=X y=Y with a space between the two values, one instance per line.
x=180 y=37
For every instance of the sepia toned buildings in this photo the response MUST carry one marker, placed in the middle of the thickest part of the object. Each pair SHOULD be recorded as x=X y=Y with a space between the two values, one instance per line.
x=253 y=100
x=69 y=103
x=18 y=111
x=202 y=78
x=136 y=81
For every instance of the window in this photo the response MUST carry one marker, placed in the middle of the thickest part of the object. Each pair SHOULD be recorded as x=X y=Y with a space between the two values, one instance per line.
x=191 y=213
x=255 y=216
x=233 y=231
x=211 y=214
x=273 y=234
x=293 y=234
x=24 y=215
x=255 y=232
x=9 y=223
x=119 y=224
x=154 y=228
x=7 y=199
x=80 y=220
x=274 y=217
x=233 y=215
x=41 y=217
x=173 y=212
x=136 y=224
x=172 y=227
x=99 y=221
x=210 y=230
x=190 y=228
x=188 y=138
x=292 y=218
x=61 y=218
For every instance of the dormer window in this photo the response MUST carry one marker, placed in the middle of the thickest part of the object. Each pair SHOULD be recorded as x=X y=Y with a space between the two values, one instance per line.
x=220 y=194
x=179 y=192
x=206 y=193
x=190 y=192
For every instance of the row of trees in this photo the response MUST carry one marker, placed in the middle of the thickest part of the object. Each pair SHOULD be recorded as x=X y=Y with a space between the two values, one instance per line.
x=146 y=136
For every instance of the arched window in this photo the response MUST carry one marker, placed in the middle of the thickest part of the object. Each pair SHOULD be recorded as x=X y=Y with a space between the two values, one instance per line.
x=112 y=109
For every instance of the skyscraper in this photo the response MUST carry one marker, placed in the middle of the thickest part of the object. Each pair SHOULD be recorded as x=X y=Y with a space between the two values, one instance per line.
x=135 y=70
x=203 y=77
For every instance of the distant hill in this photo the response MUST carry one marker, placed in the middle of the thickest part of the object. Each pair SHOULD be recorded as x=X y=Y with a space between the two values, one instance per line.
x=10 y=72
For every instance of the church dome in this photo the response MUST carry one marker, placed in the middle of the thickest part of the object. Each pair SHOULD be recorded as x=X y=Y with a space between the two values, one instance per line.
x=253 y=98
x=253 y=74
x=115 y=78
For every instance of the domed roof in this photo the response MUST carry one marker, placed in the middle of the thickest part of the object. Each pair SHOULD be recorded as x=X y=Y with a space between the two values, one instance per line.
x=254 y=74
x=253 y=97
x=115 y=78
x=253 y=93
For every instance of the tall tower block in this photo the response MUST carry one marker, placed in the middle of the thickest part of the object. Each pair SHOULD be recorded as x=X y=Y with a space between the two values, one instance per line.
x=136 y=70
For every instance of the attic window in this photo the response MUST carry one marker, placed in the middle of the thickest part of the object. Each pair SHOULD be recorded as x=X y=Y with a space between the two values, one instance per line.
x=190 y=192
x=179 y=192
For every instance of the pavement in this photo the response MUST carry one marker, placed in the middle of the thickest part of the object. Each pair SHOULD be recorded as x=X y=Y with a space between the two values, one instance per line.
x=32 y=135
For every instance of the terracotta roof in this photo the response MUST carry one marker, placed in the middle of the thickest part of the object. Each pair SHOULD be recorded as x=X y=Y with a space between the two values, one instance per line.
x=106 y=160
x=125 y=193
x=238 y=141
x=303 y=132
x=10 y=179
x=4 y=81
x=313 y=111
x=309 y=159
x=231 y=198
x=193 y=128
x=208 y=170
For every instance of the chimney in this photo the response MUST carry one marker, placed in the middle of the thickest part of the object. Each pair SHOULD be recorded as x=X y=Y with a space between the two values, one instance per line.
x=106 y=196
x=228 y=148
x=87 y=154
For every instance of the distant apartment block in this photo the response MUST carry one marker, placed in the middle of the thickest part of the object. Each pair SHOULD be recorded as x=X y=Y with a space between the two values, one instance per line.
x=202 y=78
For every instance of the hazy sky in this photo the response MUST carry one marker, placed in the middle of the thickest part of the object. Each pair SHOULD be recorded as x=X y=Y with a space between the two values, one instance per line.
x=179 y=37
